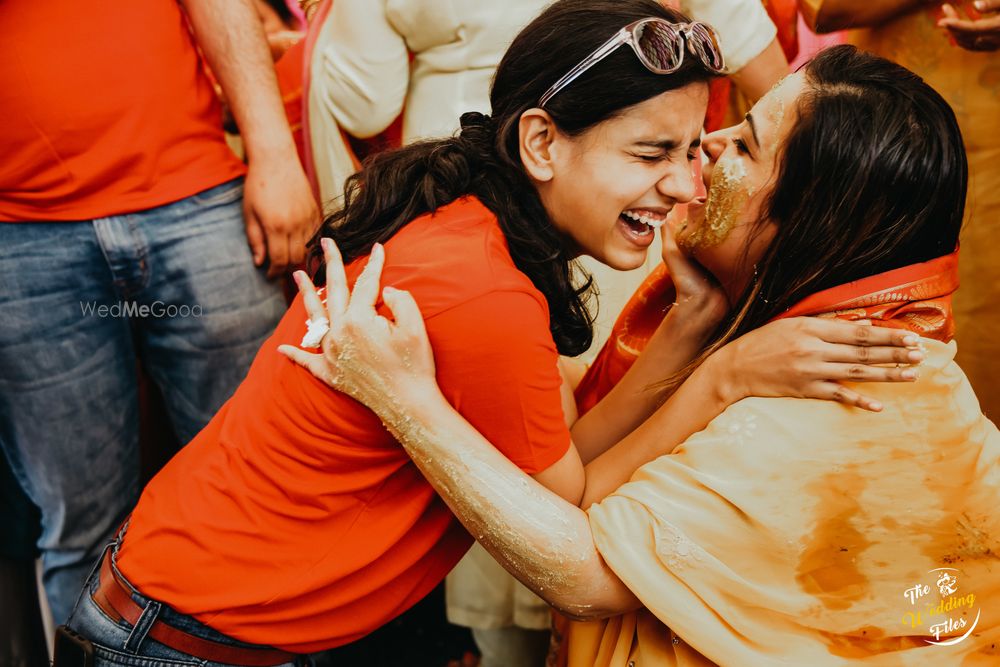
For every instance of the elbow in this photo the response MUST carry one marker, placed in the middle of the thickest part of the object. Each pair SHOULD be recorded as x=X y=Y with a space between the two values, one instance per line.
x=591 y=596
x=584 y=612
x=360 y=106
x=367 y=128
x=365 y=120
x=593 y=606
x=576 y=495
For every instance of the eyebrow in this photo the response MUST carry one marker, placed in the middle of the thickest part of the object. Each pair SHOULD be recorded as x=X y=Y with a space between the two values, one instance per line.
x=753 y=128
x=668 y=145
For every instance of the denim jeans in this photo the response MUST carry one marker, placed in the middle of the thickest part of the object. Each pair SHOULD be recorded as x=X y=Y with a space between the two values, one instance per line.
x=174 y=286
x=120 y=644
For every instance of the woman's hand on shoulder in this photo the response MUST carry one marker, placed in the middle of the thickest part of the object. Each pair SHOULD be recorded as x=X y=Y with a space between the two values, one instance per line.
x=701 y=298
x=809 y=357
x=363 y=354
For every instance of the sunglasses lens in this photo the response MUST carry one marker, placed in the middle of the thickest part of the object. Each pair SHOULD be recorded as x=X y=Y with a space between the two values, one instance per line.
x=706 y=44
x=660 y=45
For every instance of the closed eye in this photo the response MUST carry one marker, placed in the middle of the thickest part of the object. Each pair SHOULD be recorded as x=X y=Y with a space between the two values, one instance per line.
x=651 y=158
x=741 y=146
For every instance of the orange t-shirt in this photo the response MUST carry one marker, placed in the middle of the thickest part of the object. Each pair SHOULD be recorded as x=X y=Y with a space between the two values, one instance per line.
x=294 y=519
x=106 y=110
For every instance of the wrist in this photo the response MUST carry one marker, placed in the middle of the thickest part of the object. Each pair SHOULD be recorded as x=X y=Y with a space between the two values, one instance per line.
x=276 y=148
x=695 y=317
x=725 y=384
x=420 y=406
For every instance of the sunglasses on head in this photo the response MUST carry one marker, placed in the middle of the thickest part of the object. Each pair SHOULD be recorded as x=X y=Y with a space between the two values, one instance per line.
x=659 y=44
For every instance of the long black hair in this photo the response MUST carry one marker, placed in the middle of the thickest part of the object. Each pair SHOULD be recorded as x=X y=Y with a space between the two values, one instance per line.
x=397 y=186
x=872 y=178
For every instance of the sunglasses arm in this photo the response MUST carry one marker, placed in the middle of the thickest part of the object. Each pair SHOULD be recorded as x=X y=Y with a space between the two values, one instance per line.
x=623 y=36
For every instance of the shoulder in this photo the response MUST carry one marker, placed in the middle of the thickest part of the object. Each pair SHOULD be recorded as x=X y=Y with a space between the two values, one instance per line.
x=455 y=255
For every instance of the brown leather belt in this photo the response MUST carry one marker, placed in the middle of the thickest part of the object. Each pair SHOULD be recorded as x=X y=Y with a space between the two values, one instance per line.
x=114 y=597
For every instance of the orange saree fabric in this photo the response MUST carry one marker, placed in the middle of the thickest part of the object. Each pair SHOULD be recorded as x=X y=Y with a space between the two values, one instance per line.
x=917 y=298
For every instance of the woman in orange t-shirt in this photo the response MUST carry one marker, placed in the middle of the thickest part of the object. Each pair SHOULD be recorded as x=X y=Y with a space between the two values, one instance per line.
x=295 y=520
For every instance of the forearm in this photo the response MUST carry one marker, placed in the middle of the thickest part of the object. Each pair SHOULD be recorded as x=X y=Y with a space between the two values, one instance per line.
x=832 y=15
x=362 y=88
x=538 y=537
x=701 y=398
x=674 y=343
x=231 y=36
x=761 y=74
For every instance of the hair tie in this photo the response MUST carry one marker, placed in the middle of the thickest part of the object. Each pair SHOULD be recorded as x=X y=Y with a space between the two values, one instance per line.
x=474 y=119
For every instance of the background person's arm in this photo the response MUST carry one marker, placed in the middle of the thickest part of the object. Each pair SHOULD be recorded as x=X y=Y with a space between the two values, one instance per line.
x=974 y=33
x=279 y=209
x=762 y=73
x=362 y=70
x=832 y=15
x=748 y=39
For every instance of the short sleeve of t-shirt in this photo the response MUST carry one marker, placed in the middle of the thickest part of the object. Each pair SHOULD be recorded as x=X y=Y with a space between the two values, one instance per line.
x=497 y=364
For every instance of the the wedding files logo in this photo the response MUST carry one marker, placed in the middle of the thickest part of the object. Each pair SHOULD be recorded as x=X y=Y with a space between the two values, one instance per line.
x=141 y=310
x=944 y=609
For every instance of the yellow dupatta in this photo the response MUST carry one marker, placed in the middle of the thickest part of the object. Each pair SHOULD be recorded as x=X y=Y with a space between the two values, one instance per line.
x=807 y=533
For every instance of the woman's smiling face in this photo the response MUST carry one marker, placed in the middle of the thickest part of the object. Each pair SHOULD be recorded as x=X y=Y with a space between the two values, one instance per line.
x=606 y=189
x=739 y=172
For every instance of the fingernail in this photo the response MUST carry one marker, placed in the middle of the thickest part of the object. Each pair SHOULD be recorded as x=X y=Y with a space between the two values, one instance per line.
x=979 y=5
x=910 y=341
x=909 y=374
x=916 y=356
x=389 y=291
x=297 y=277
x=325 y=244
x=875 y=406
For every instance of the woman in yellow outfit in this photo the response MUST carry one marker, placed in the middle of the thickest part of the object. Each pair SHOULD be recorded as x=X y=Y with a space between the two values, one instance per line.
x=782 y=531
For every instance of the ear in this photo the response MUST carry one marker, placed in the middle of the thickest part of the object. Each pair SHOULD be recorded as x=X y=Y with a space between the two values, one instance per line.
x=536 y=133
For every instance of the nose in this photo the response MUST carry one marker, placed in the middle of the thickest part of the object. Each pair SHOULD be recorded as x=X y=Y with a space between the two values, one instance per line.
x=680 y=183
x=714 y=144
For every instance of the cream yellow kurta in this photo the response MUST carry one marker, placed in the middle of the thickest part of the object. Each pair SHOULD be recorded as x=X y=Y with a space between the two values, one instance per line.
x=970 y=82
x=788 y=532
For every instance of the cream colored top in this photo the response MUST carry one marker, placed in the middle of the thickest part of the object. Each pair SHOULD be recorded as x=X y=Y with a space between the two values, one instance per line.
x=456 y=46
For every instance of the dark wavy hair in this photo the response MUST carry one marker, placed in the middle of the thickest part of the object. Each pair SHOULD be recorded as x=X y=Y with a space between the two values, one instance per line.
x=397 y=186
x=872 y=178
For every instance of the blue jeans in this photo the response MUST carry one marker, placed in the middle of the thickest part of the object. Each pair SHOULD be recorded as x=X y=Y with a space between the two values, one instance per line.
x=174 y=286
x=119 y=643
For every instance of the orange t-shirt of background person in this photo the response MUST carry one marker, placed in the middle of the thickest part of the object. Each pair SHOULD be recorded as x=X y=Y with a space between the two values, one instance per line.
x=107 y=110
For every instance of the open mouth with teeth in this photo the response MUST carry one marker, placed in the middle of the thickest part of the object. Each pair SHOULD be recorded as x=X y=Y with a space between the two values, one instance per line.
x=642 y=223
